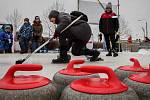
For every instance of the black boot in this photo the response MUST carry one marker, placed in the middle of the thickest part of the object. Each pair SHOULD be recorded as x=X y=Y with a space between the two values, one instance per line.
x=115 y=54
x=95 y=56
x=109 y=53
x=61 y=60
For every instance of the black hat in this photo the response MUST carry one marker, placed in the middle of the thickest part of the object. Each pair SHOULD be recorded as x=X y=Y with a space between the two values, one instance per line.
x=26 y=19
x=53 y=14
x=37 y=17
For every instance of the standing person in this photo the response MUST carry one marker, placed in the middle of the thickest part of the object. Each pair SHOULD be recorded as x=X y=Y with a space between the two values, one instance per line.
x=2 y=41
x=109 y=26
x=75 y=36
x=25 y=34
x=37 y=33
x=8 y=39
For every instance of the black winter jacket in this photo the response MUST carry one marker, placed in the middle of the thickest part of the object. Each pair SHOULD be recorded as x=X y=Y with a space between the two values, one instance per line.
x=108 y=23
x=81 y=29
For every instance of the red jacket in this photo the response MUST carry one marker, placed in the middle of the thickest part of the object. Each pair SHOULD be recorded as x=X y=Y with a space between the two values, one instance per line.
x=108 y=23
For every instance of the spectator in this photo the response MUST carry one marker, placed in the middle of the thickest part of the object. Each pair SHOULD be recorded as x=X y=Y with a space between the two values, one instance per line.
x=2 y=41
x=130 y=39
x=108 y=25
x=25 y=34
x=37 y=33
x=8 y=39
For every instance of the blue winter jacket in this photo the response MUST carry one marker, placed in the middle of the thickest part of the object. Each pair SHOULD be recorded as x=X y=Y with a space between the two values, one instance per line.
x=2 y=40
x=26 y=31
x=8 y=40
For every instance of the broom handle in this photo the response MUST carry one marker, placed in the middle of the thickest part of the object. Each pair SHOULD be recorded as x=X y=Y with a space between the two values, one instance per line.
x=71 y=23
x=53 y=37
x=39 y=47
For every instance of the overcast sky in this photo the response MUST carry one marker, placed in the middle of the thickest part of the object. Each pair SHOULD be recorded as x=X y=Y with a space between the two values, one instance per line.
x=131 y=10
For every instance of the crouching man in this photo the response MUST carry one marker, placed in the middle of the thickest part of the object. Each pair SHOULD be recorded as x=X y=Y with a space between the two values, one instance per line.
x=76 y=36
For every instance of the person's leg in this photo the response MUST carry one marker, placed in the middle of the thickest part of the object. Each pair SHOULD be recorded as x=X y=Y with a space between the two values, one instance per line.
x=10 y=48
x=26 y=45
x=79 y=48
x=33 y=45
x=107 y=40
x=22 y=45
x=112 y=39
x=63 y=47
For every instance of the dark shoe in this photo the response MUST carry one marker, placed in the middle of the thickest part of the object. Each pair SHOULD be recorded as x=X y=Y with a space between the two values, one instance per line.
x=95 y=56
x=60 y=60
x=109 y=54
x=115 y=54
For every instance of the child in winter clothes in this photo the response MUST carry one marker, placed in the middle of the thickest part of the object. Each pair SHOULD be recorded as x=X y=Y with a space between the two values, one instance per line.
x=25 y=35
x=2 y=41
x=8 y=39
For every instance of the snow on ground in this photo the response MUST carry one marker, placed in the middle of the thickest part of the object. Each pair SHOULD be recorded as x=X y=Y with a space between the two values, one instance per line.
x=7 y=60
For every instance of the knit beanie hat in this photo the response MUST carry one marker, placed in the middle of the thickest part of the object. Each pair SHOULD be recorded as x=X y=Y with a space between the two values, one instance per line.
x=53 y=14
x=109 y=5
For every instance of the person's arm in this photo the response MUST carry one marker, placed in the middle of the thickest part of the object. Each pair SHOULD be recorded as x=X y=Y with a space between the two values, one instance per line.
x=21 y=30
x=64 y=21
x=116 y=23
x=100 y=24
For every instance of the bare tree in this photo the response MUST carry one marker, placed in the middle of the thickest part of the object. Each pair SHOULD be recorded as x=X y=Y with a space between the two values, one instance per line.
x=124 y=29
x=14 y=18
x=57 y=5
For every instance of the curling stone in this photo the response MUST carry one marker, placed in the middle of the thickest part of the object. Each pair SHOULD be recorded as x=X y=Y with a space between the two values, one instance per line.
x=140 y=82
x=64 y=77
x=31 y=87
x=124 y=71
x=110 y=88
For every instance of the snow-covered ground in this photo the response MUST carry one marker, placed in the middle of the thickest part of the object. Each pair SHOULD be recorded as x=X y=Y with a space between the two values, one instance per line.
x=7 y=60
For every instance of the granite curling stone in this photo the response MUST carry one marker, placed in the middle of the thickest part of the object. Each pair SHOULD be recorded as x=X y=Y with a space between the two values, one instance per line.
x=31 y=87
x=110 y=88
x=140 y=83
x=64 y=77
x=124 y=71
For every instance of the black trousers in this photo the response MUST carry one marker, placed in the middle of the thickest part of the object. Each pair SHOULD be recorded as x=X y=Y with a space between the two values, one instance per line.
x=110 y=38
x=68 y=40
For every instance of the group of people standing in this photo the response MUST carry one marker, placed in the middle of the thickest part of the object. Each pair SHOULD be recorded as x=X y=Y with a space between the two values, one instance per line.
x=30 y=36
x=74 y=37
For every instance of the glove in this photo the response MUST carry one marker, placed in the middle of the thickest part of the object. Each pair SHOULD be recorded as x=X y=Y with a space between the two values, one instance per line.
x=56 y=35
x=100 y=37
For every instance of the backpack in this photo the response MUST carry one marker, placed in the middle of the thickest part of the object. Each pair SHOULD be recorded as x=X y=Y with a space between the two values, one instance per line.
x=76 y=14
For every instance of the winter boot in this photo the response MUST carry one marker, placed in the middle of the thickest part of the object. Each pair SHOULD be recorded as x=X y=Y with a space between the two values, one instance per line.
x=61 y=60
x=95 y=56
x=115 y=54
x=109 y=53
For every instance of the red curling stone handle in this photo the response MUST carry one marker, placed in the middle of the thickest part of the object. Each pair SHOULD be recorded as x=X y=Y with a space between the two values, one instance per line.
x=71 y=64
x=21 y=67
x=136 y=63
x=102 y=69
